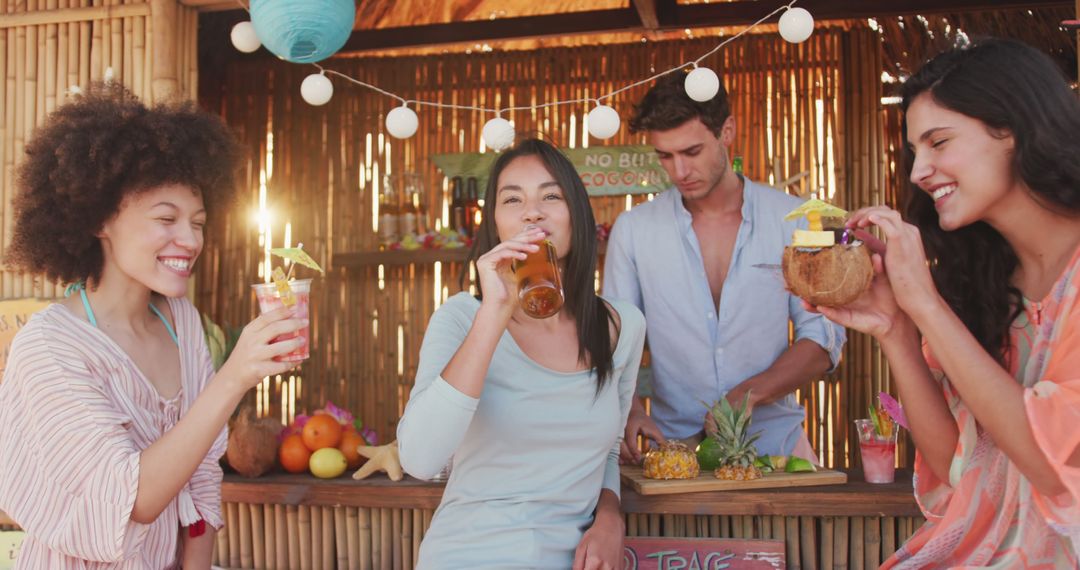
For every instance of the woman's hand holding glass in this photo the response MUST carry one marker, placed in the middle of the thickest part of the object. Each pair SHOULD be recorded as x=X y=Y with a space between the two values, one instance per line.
x=253 y=357
x=495 y=269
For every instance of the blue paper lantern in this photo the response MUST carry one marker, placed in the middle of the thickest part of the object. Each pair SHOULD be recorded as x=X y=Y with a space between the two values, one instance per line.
x=303 y=31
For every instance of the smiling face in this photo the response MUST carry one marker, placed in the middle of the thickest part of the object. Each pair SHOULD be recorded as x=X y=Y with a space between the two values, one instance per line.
x=155 y=238
x=528 y=194
x=964 y=166
x=694 y=158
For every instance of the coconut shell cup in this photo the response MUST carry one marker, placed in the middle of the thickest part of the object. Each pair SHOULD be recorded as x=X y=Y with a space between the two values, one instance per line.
x=828 y=276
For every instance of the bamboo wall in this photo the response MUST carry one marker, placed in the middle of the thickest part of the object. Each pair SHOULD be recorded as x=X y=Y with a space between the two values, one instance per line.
x=48 y=46
x=316 y=171
x=279 y=536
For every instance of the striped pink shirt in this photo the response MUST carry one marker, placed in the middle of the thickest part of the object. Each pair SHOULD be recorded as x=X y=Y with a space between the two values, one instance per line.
x=75 y=414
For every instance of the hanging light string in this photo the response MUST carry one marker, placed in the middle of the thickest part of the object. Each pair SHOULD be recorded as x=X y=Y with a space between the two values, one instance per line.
x=702 y=84
x=498 y=111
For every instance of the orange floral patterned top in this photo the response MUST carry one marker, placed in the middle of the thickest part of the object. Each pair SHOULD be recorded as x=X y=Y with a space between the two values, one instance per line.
x=987 y=515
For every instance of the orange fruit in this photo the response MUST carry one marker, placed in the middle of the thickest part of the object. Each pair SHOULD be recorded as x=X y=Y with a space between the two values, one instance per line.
x=293 y=454
x=321 y=431
x=350 y=440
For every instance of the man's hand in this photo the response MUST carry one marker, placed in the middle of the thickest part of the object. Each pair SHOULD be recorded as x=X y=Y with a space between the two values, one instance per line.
x=638 y=423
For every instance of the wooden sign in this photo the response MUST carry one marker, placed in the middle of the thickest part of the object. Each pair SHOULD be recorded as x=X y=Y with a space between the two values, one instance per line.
x=13 y=316
x=702 y=554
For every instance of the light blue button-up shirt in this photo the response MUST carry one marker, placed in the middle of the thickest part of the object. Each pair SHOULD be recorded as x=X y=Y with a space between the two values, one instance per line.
x=700 y=351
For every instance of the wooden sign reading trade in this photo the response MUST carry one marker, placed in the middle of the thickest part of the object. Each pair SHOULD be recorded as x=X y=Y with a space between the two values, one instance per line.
x=702 y=554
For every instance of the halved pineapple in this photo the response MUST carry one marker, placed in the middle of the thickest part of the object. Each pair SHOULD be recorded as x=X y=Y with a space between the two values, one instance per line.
x=673 y=460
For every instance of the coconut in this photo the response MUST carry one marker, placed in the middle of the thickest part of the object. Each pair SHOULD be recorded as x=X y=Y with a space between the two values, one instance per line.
x=253 y=444
x=828 y=276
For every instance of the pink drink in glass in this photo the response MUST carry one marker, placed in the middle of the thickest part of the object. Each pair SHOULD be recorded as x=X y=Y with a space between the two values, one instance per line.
x=269 y=300
x=878 y=453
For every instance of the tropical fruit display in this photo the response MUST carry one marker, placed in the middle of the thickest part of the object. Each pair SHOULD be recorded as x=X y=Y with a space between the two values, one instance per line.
x=672 y=460
x=325 y=443
x=825 y=264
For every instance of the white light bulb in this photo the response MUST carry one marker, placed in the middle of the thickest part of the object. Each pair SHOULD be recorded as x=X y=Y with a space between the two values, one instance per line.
x=796 y=25
x=603 y=122
x=702 y=84
x=498 y=133
x=401 y=122
x=244 y=38
x=316 y=89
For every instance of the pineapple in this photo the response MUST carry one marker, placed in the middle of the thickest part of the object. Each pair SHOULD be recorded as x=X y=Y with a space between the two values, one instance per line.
x=673 y=460
x=737 y=451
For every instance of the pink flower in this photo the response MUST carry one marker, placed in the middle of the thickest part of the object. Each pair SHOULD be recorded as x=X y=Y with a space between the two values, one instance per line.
x=893 y=408
x=344 y=417
x=295 y=428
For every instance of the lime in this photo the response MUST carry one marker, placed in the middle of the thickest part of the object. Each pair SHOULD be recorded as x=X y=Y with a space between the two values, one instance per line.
x=799 y=465
x=708 y=454
x=327 y=463
x=763 y=463
x=778 y=462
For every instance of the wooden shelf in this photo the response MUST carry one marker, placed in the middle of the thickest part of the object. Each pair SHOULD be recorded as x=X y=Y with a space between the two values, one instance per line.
x=400 y=257
x=356 y=259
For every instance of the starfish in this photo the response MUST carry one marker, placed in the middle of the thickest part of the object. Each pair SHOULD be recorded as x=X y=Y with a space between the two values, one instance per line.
x=380 y=458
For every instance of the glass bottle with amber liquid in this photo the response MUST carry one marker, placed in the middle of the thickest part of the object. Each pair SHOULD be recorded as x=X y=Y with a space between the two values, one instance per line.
x=472 y=206
x=540 y=290
x=457 y=205
x=388 y=218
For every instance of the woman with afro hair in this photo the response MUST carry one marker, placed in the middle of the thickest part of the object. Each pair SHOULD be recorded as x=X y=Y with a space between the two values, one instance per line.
x=112 y=420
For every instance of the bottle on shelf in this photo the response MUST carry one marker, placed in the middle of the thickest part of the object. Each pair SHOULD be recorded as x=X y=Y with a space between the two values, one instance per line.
x=407 y=219
x=472 y=207
x=457 y=205
x=388 y=217
x=415 y=195
x=737 y=164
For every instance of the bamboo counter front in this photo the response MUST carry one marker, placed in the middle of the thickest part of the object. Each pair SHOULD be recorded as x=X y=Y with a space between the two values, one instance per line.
x=298 y=521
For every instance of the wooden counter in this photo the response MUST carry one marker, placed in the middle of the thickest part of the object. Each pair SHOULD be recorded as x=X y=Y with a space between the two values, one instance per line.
x=855 y=498
x=298 y=521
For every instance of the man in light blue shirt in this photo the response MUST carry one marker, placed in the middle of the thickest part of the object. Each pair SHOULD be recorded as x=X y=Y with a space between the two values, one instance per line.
x=717 y=322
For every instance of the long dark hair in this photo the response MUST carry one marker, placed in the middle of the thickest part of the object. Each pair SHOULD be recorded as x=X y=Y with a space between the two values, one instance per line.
x=1010 y=87
x=591 y=314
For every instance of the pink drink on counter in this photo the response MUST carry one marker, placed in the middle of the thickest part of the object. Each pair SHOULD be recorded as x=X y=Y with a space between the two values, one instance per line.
x=878 y=453
x=269 y=300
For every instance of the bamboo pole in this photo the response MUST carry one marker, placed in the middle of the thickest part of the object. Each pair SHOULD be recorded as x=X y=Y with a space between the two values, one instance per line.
x=164 y=84
x=247 y=557
x=233 y=524
x=72 y=15
x=341 y=537
x=258 y=535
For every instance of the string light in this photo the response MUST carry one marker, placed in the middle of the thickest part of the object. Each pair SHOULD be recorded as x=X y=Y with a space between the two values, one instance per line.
x=316 y=89
x=702 y=84
x=244 y=38
x=498 y=133
x=603 y=122
x=796 y=25
x=402 y=122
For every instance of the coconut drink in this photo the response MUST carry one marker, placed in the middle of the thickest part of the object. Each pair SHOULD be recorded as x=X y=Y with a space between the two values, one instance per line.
x=825 y=266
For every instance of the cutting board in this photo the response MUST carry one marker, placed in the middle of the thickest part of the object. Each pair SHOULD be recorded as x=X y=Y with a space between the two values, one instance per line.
x=707 y=482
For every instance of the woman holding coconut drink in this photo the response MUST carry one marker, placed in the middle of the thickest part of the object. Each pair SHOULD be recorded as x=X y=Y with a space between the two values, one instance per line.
x=975 y=304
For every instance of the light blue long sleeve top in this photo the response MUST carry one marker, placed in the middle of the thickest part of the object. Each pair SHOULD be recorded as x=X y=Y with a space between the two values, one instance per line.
x=700 y=351
x=530 y=456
